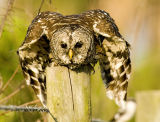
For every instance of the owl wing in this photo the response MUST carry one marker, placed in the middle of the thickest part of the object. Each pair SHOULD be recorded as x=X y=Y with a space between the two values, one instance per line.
x=113 y=52
x=34 y=52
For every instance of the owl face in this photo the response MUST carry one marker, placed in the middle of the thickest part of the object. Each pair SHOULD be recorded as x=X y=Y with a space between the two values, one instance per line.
x=71 y=45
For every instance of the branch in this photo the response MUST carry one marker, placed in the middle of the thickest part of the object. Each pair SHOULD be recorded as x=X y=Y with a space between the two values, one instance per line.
x=40 y=6
x=10 y=5
x=13 y=93
x=1 y=81
x=32 y=102
x=5 y=86
x=50 y=1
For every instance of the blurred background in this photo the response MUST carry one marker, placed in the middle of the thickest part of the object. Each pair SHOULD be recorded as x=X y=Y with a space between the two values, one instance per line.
x=138 y=22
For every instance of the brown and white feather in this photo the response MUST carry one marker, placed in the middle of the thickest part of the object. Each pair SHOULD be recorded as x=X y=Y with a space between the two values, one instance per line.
x=101 y=42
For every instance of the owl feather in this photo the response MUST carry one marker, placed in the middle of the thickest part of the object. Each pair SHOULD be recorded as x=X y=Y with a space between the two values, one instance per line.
x=98 y=39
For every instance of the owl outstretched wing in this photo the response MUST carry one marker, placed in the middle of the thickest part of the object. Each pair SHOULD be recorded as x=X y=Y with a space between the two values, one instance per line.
x=113 y=52
x=34 y=52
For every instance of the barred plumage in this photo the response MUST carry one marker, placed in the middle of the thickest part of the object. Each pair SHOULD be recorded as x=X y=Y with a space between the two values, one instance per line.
x=75 y=41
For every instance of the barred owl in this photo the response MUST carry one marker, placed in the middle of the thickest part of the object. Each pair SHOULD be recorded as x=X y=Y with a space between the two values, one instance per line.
x=75 y=41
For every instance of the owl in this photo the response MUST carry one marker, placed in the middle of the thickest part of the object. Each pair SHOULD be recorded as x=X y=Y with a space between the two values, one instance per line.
x=75 y=41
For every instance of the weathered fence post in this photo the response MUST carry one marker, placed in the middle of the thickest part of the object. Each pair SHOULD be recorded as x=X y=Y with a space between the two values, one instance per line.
x=148 y=106
x=68 y=94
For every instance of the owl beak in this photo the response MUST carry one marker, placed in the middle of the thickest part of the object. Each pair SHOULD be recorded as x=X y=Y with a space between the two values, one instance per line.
x=70 y=54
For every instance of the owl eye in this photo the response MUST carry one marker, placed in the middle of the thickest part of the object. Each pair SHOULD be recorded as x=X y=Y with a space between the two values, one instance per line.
x=78 y=45
x=64 y=45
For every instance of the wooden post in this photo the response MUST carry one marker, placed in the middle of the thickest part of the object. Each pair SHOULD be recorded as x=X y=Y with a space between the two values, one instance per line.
x=68 y=94
x=148 y=106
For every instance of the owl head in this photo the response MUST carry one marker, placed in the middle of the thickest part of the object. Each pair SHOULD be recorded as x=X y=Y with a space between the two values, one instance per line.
x=71 y=45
